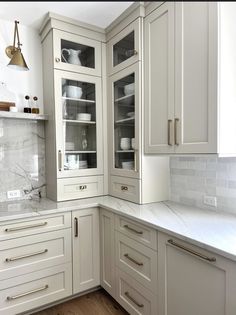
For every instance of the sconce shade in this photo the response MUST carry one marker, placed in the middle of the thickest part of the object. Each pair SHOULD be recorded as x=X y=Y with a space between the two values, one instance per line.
x=18 y=61
x=14 y=53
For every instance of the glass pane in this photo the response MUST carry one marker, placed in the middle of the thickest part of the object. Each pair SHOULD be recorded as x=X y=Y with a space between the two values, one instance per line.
x=79 y=124
x=124 y=49
x=124 y=122
x=77 y=54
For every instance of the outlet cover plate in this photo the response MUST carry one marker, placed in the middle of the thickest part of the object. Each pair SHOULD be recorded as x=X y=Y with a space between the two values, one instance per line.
x=210 y=201
x=13 y=194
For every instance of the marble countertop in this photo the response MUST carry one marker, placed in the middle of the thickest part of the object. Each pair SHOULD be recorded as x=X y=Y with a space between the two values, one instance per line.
x=211 y=230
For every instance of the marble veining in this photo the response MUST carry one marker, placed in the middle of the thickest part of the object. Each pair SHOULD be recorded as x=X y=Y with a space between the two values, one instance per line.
x=22 y=157
x=207 y=229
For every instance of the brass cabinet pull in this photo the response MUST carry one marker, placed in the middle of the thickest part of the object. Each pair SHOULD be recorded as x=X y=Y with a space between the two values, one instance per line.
x=82 y=187
x=10 y=298
x=133 y=230
x=133 y=260
x=169 y=132
x=59 y=160
x=30 y=226
x=57 y=59
x=133 y=300
x=26 y=255
x=176 y=131
x=135 y=52
x=76 y=227
x=124 y=188
x=193 y=252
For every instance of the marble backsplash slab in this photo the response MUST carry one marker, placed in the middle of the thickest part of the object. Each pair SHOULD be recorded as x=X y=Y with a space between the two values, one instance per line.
x=22 y=158
x=193 y=177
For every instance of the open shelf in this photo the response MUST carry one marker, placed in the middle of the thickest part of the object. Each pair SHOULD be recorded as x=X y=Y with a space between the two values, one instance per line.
x=125 y=151
x=79 y=152
x=124 y=98
x=18 y=115
x=125 y=120
x=85 y=122
x=78 y=100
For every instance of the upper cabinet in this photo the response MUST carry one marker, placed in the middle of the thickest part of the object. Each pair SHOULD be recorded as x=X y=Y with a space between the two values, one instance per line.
x=124 y=49
x=76 y=53
x=189 y=75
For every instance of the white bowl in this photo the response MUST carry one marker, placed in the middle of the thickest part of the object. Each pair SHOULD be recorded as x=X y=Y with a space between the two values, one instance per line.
x=73 y=91
x=130 y=114
x=84 y=116
x=129 y=89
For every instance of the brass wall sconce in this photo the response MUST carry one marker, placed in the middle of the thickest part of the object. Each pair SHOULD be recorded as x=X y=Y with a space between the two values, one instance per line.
x=14 y=53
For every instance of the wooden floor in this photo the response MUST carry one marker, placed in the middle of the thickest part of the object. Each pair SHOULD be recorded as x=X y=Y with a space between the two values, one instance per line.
x=95 y=303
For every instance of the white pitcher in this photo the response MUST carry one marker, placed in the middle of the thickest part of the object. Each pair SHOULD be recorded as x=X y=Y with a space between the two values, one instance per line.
x=73 y=56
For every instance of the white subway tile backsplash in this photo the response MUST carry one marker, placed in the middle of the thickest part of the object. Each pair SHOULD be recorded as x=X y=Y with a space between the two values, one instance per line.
x=194 y=177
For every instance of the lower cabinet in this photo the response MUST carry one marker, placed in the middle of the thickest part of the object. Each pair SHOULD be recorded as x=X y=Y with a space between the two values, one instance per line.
x=193 y=281
x=86 y=251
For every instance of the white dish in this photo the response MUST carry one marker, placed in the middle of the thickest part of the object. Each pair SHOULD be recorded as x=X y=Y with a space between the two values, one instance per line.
x=129 y=89
x=130 y=114
x=73 y=91
x=84 y=116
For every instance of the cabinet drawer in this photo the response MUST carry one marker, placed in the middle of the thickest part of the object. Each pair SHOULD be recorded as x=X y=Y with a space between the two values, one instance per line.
x=133 y=296
x=79 y=187
x=15 y=229
x=137 y=231
x=125 y=188
x=35 y=289
x=137 y=260
x=34 y=252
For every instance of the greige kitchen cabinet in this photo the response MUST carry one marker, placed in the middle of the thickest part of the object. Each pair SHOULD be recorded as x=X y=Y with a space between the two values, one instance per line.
x=107 y=251
x=73 y=91
x=132 y=175
x=192 y=280
x=86 y=249
x=190 y=109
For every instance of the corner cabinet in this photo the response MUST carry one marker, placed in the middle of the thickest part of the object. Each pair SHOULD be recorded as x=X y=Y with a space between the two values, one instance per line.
x=193 y=281
x=73 y=97
x=133 y=176
x=189 y=78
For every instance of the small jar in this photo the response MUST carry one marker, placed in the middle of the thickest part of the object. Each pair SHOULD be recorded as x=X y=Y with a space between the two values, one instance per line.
x=35 y=108
x=27 y=108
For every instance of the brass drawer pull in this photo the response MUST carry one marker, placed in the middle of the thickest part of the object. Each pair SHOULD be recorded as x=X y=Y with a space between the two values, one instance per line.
x=176 y=131
x=169 y=133
x=10 y=298
x=30 y=226
x=132 y=230
x=26 y=256
x=76 y=227
x=133 y=260
x=211 y=259
x=133 y=300
x=59 y=160
x=124 y=188
x=82 y=187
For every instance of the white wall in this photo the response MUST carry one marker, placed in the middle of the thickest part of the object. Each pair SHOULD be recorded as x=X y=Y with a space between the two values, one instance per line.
x=22 y=82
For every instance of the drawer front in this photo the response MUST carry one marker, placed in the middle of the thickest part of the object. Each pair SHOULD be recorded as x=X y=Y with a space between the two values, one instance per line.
x=133 y=296
x=125 y=188
x=18 y=228
x=79 y=187
x=137 y=231
x=35 y=289
x=137 y=260
x=35 y=252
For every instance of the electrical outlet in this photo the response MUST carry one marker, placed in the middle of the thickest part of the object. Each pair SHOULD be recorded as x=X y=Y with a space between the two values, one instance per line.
x=210 y=201
x=13 y=194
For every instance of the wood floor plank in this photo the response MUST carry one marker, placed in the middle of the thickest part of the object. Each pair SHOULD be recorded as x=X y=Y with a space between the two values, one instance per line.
x=95 y=303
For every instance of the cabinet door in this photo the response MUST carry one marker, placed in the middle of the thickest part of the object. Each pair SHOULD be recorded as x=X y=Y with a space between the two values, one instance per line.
x=196 y=77
x=124 y=121
x=190 y=284
x=124 y=49
x=107 y=232
x=159 y=79
x=86 y=258
x=76 y=53
x=78 y=109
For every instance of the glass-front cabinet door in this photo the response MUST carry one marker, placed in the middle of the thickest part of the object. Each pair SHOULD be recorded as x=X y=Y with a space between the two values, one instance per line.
x=125 y=48
x=79 y=124
x=125 y=113
x=76 y=53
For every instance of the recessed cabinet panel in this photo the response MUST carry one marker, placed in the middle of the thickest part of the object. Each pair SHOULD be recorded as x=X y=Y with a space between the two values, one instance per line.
x=76 y=53
x=79 y=114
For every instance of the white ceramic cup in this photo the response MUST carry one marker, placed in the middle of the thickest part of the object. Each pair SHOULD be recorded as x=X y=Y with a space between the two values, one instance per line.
x=73 y=91
x=125 y=143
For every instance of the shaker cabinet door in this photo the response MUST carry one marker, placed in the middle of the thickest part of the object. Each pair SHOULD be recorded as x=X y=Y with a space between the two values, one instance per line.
x=159 y=79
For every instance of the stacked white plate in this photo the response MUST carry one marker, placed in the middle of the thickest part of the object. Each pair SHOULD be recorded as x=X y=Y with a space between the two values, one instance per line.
x=128 y=165
x=125 y=143
x=83 y=164
x=70 y=146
